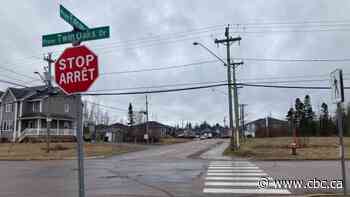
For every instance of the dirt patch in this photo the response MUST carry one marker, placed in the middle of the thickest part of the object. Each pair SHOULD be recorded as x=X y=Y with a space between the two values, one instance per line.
x=37 y=151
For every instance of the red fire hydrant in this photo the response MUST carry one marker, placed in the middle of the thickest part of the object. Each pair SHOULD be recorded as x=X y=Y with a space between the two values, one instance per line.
x=293 y=146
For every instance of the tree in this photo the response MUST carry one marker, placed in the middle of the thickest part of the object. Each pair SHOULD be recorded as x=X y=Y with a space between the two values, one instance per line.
x=299 y=112
x=309 y=113
x=290 y=114
x=131 y=115
x=309 y=126
x=324 y=117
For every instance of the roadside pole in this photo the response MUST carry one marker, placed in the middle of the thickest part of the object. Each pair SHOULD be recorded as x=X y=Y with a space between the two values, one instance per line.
x=80 y=33
x=227 y=41
x=49 y=91
x=80 y=148
x=341 y=144
x=338 y=98
x=147 y=120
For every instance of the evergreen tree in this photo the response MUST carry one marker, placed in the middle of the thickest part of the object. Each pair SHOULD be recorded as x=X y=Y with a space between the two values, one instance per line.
x=309 y=113
x=324 y=116
x=299 y=112
x=290 y=114
x=131 y=115
x=309 y=126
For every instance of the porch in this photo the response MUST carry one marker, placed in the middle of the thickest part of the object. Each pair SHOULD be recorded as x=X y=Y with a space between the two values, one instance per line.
x=37 y=127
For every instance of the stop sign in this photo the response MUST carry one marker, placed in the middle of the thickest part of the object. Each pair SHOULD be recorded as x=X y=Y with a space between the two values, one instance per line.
x=76 y=69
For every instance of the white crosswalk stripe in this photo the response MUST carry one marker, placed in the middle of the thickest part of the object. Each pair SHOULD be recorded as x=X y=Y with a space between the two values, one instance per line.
x=236 y=177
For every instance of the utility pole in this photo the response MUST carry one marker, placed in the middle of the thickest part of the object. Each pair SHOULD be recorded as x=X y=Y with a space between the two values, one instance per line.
x=242 y=119
x=147 y=120
x=47 y=76
x=227 y=41
x=236 y=104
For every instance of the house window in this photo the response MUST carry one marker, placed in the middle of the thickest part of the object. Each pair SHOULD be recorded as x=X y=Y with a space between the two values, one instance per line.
x=65 y=125
x=66 y=108
x=36 y=106
x=31 y=124
x=8 y=108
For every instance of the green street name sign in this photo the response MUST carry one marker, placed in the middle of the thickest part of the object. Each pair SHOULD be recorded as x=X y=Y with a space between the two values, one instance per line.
x=75 y=36
x=71 y=19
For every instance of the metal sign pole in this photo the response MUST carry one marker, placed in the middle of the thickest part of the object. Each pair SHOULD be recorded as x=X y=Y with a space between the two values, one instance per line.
x=80 y=150
x=341 y=145
x=338 y=98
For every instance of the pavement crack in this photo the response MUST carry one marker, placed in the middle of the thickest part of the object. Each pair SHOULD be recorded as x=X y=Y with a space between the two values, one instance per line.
x=118 y=175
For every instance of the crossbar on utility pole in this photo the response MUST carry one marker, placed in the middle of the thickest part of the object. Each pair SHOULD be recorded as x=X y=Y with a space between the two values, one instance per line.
x=227 y=41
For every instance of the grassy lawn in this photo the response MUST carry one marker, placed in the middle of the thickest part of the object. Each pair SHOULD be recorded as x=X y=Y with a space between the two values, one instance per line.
x=37 y=151
x=317 y=148
x=172 y=140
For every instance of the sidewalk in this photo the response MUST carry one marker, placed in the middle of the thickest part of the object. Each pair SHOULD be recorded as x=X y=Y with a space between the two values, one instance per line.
x=216 y=153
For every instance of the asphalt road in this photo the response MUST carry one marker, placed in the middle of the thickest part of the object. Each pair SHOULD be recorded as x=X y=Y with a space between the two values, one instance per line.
x=164 y=171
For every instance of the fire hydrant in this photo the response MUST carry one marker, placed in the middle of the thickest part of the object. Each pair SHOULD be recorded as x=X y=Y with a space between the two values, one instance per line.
x=293 y=146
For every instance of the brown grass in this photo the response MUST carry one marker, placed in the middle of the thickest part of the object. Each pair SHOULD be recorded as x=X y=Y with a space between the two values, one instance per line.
x=37 y=151
x=171 y=140
x=316 y=148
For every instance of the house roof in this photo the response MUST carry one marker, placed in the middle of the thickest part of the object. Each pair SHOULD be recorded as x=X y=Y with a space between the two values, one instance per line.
x=270 y=120
x=119 y=125
x=20 y=93
x=153 y=124
x=35 y=92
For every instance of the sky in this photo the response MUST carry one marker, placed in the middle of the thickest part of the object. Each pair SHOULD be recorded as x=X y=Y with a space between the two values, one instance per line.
x=159 y=33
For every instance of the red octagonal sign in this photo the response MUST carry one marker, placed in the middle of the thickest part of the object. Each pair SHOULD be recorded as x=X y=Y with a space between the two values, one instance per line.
x=76 y=69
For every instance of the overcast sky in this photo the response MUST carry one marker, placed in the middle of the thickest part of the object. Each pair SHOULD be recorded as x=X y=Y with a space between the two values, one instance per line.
x=145 y=34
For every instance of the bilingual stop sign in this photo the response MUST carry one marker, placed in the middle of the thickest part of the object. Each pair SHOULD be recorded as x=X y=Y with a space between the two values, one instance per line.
x=76 y=69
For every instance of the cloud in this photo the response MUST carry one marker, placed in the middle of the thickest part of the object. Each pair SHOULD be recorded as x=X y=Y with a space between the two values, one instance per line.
x=130 y=47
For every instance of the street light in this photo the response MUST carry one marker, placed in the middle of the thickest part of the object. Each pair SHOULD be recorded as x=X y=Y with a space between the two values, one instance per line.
x=211 y=52
x=228 y=64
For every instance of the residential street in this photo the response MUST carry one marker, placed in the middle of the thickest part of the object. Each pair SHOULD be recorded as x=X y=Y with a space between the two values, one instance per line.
x=159 y=171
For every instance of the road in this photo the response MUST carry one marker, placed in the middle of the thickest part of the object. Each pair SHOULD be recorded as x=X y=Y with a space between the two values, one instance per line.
x=161 y=171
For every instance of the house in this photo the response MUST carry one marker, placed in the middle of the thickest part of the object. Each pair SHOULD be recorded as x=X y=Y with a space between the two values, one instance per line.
x=115 y=133
x=266 y=127
x=23 y=113
x=156 y=131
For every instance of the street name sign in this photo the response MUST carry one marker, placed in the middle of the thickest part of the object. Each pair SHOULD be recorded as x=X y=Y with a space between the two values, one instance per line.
x=72 y=20
x=76 y=69
x=75 y=36
x=337 y=87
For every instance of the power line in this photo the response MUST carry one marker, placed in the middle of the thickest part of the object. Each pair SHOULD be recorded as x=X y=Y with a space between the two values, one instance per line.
x=292 y=60
x=158 y=86
x=12 y=83
x=214 y=61
x=161 y=68
x=209 y=83
x=207 y=86
x=293 y=22
x=106 y=106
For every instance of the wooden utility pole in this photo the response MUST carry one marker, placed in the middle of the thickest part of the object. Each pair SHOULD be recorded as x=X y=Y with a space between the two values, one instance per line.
x=47 y=76
x=227 y=42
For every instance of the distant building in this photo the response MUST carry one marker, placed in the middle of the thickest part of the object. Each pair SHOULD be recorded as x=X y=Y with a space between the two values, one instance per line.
x=156 y=131
x=115 y=133
x=267 y=127
x=226 y=132
x=23 y=114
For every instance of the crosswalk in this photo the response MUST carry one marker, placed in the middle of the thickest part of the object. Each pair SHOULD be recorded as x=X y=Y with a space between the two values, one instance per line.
x=236 y=177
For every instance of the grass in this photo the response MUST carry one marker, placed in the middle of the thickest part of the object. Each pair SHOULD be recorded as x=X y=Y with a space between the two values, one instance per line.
x=172 y=140
x=316 y=148
x=37 y=151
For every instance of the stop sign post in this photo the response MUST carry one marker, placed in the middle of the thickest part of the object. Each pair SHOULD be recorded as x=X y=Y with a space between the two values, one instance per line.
x=76 y=69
